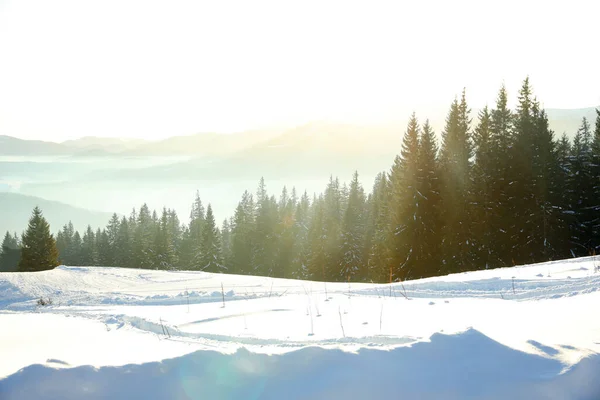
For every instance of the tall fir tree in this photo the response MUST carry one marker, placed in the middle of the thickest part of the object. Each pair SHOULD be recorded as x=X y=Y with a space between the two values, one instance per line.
x=143 y=252
x=89 y=255
x=164 y=246
x=10 y=253
x=455 y=164
x=581 y=192
x=501 y=215
x=379 y=260
x=404 y=205
x=352 y=257
x=485 y=205
x=211 y=258
x=38 y=247
x=428 y=183
x=242 y=233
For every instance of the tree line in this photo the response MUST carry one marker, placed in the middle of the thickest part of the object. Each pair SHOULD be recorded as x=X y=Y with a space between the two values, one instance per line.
x=498 y=192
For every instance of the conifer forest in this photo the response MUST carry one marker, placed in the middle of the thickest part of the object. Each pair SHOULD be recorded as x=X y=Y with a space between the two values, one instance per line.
x=499 y=189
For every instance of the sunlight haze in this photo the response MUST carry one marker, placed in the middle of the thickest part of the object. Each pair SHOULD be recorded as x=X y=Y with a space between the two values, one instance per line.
x=154 y=69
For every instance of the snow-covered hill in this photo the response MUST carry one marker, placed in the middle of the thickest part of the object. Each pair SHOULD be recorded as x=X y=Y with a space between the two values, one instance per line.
x=523 y=332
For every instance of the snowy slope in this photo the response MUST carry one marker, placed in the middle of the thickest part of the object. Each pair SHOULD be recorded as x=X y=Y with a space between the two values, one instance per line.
x=523 y=332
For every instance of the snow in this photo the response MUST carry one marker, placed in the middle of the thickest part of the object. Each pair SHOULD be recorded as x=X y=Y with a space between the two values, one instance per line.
x=522 y=332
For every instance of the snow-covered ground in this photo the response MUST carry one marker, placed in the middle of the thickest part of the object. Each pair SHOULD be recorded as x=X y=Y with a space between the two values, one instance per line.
x=525 y=332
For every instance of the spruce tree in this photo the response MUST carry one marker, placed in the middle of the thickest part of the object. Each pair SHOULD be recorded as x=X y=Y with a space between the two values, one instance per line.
x=501 y=214
x=428 y=183
x=265 y=234
x=581 y=190
x=191 y=241
x=456 y=188
x=485 y=205
x=332 y=225
x=143 y=252
x=301 y=255
x=522 y=186
x=10 y=253
x=38 y=247
x=379 y=261
x=164 y=247
x=123 y=250
x=226 y=243
x=317 y=243
x=286 y=235
x=352 y=256
x=404 y=206
x=242 y=233
x=211 y=259
x=89 y=255
x=547 y=238
x=105 y=251
x=596 y=178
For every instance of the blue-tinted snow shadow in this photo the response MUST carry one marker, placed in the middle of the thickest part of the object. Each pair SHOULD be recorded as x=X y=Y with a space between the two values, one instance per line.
x=464 y=366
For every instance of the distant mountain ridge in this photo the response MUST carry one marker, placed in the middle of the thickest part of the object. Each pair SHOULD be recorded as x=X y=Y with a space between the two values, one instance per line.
x=306 y=137
x=15 y=211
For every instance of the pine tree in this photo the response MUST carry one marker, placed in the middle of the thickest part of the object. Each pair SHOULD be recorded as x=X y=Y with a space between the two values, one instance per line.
x=547 y=238
x=332 y=225
x=317 y=243
x=210 y=255
x=10 y=253
x=522 y=192
x=112 y=233
x=191 y=241
x=105 y=250
x=242 y=233
x=456 y=188
x=379 y=261
x=501 y=214
x=428 y=183
x=596 y=177
x=76 y=249
x=89 y=255
x=265 y=235
x=485 y=205
x=404 y=205
x=143 y=252
x=164 y=247
x=38 y=247
x=352 y=256
x=123 y=245
x=226 y=243
x=582 y=198
x=301 y=255
x=286 y=235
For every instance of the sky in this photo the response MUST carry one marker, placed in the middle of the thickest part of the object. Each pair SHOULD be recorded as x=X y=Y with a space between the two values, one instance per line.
x=154 y=69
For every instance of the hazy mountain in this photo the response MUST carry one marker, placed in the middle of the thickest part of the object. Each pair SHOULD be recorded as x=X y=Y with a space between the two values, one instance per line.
x=15 y=210
x=312 y=150
x=94 y=144
x=203 y=144
x=10 y=146
x=316 y=138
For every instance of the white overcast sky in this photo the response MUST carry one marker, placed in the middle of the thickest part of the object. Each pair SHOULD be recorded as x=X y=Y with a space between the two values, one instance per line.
x=152 y=69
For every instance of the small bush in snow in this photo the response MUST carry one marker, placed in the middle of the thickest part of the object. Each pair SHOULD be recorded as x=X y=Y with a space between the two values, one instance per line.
x=44 y=302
